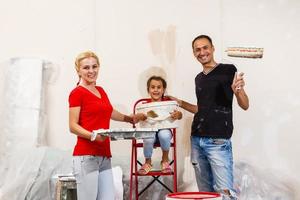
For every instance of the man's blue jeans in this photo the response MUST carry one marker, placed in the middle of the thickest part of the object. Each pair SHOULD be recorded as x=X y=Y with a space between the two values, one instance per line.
x=213 y=164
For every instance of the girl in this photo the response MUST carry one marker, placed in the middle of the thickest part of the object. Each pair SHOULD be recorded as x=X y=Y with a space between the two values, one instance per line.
x=156 y=87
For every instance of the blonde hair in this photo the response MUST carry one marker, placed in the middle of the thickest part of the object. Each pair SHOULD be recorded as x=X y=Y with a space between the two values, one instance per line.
x=83 y=55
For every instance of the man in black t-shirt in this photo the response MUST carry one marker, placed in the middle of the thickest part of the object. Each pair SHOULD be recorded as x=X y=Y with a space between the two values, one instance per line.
x=212 y=126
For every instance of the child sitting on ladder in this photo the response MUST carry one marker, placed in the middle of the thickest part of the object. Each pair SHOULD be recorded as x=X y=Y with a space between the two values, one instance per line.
x=156 y=87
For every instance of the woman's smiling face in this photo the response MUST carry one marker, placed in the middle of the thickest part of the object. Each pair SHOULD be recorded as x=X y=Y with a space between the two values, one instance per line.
x=88 y=70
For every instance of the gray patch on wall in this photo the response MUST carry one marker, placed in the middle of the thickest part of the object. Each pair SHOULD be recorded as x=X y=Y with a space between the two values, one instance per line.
x=163 y=46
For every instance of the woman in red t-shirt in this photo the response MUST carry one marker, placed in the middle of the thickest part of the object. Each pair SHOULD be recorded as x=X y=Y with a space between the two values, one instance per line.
x=90 y=109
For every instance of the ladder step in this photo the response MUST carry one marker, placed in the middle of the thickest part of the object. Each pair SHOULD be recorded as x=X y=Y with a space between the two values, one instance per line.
x=155 y=173
x=155 y=145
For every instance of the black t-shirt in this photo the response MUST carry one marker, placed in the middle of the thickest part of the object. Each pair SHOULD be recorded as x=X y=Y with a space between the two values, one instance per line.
x=214 y=100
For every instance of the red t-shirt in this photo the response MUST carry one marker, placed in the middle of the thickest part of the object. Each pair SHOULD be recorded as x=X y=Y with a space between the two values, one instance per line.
x=94 y=114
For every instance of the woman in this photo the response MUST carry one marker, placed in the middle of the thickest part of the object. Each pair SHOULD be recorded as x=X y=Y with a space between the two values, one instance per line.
x=90 y=109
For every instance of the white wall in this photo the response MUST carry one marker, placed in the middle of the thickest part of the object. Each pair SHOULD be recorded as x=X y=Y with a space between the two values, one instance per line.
x=55 y=31
x=136 y=38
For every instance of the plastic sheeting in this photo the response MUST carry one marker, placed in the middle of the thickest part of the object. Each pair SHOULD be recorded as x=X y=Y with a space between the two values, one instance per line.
x=254 y=184
x=22 y=89
x=34 y=174
x=28 y=173
x=18 y=173
x=22 y=101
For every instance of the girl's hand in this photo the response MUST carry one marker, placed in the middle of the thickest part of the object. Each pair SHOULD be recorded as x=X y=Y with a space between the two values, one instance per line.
x=176 y=114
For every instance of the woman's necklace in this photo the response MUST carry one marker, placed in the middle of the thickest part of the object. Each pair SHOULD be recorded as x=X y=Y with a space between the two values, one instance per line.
x=210 y=69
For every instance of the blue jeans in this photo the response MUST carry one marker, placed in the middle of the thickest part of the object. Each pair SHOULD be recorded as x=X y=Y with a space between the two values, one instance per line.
x=94 y=177
x=213 y=164
x=164 y=136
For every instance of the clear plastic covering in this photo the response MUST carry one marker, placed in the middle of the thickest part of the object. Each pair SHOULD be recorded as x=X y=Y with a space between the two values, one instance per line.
x=25 y=166
x=28 y=174
x=254 y=184
x=22 y=90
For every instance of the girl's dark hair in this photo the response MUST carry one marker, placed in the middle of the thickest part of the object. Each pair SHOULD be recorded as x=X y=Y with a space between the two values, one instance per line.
x=157 y=78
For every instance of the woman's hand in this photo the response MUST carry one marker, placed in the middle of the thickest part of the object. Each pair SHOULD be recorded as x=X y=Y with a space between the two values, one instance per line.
x=101 y=138
x=139 y=117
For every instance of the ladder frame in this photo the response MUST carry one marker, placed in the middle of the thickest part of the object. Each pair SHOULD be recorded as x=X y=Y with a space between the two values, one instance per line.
x=134 y=175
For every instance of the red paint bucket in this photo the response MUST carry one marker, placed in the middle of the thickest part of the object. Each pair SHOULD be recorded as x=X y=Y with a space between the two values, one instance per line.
x=194 y=196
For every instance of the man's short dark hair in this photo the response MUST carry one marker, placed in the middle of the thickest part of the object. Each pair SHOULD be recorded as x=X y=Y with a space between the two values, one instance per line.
x=201 y=37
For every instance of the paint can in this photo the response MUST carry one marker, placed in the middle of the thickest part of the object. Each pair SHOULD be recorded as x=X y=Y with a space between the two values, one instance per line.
x=158 y=114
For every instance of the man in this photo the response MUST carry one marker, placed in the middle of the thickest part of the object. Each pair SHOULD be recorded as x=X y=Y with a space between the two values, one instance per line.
x=212 y=125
